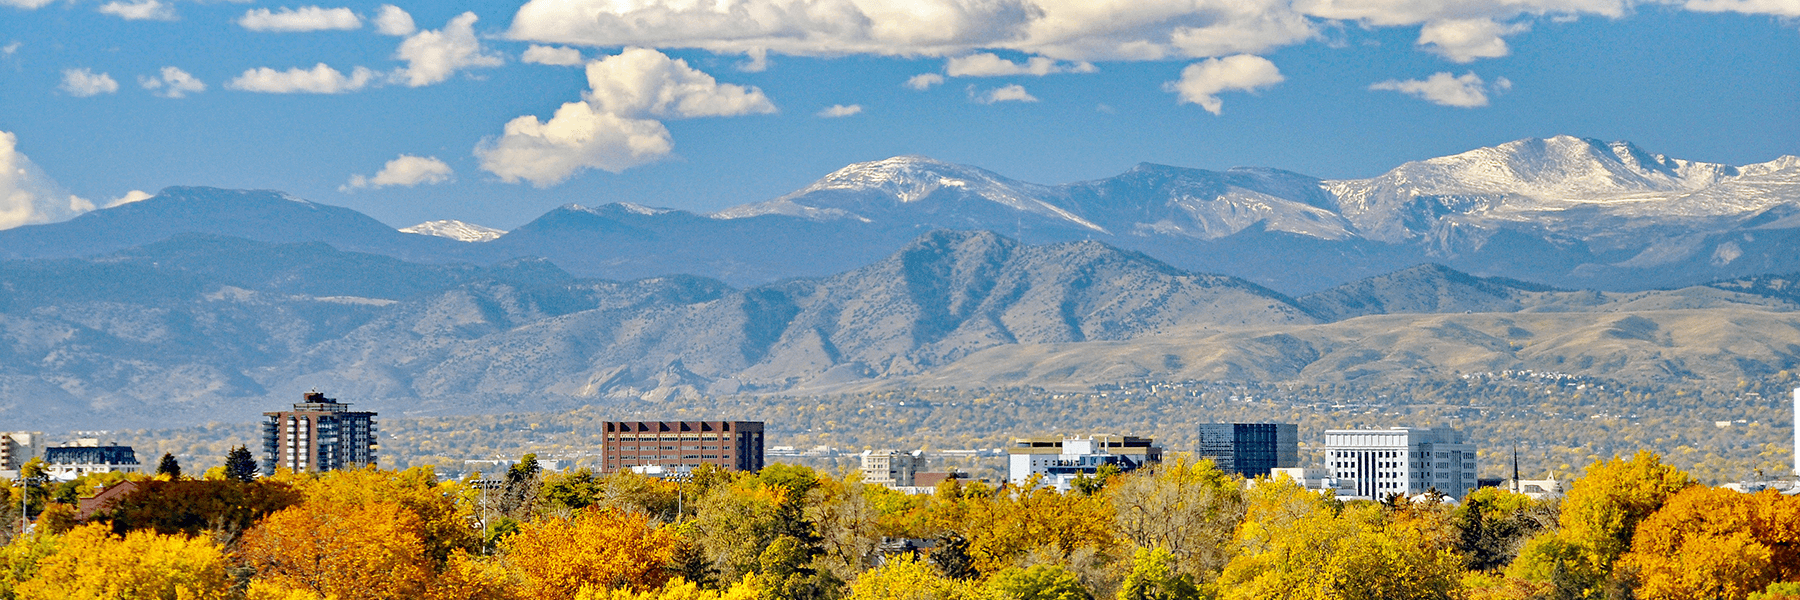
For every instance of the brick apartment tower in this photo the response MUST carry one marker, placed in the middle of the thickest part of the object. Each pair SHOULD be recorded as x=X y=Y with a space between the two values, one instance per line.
x=683 y=444
x=320 y=434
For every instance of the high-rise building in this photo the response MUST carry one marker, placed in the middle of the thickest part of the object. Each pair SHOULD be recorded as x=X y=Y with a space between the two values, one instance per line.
x=320 y=434
x=682 y=445
x=1058 y=460
x=1251 y=449
x=891 y=468
x=1401 y=460
x=18 y=448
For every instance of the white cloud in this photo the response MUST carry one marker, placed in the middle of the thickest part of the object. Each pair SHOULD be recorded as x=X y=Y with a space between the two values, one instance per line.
x=408 y=170
x=756 y=60
x=26 y=4
x=1202 y=82
x=392 y=20
x=305 y=18
x=432 y=56
x=643 y=82
x=321 y=79
x=612 y=129
x=1780 y=8
x=988 y=64
x=551 y=55
x=130 y=197
x=82 y=83
x=839 y=110
x=173 y=83
x=1011 y=93
x=1464 y=40
x=924 y=81
x=1467 y=91
x=1390 y=13
x=29 y=196
x=141 y=10
x=11 y=49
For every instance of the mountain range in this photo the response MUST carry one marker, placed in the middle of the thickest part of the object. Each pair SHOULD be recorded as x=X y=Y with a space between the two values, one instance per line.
x=1564 y=211
x=1560 y=255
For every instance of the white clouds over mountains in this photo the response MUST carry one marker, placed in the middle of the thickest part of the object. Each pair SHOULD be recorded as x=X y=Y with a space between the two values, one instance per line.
x=1202 y=82
x=614 y=127
x=407 y=170
x=1444 y=89
x=431 y=56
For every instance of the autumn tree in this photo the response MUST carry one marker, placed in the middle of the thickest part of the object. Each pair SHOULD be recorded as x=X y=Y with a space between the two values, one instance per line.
x=441 y=523
x=598 y=548
x=93 y=563
x=1716 y=543
x=1153 y=577
x=1040 y=582
x=190 y=507
x=1599 y=515
x=1492 y=524
x=1190 y=509
x=907 y=578
x=353 y=551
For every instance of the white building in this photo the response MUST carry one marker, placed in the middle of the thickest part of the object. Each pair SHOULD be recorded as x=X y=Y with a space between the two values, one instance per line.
x=1058 y=460
x=18 y=448
x=85 y=456
x=891 y=468
x=1401 y=460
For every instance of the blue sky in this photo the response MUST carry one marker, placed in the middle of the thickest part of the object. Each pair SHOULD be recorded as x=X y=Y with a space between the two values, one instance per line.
x=1046 y=91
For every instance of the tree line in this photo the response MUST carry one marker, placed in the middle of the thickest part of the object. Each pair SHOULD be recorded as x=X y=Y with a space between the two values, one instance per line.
x=1628 y=528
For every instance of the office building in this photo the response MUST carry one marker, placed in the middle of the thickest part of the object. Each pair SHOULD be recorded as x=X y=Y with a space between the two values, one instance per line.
x=88 y=455
x=891 y=468
x=319 y=434
x=18 y=448
x=1059 y=460
x=1250 y=449
x=1402 y=460
x=682 y=445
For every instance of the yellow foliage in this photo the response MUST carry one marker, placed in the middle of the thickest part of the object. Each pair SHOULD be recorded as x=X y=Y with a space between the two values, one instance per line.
x=555 y=558
x=442 y=523
x=94 y=564
x=264 y=590
x=906 y=578
x=354 y=552
x=678 y=589
x=1295 y=544
x=1716 y=543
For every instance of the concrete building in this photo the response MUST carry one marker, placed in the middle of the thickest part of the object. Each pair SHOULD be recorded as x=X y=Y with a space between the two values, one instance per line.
x=1058 y=460
x=1401 y=460
x=891 y=468
x=18 y=448
x=88 y=455
x=677 y=445
x=320 y=434
x=1250 y=449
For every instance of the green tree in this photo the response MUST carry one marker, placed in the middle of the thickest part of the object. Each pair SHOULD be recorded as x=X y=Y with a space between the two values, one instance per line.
x=169 y=466
x=240 y=465
x=1153 y=577
x=1040 y=582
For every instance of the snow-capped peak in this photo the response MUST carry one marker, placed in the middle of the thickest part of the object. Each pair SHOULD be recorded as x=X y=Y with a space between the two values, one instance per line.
x=456 y=230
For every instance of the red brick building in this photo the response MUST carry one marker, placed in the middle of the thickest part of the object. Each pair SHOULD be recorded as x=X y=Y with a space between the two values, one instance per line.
x=679 y=445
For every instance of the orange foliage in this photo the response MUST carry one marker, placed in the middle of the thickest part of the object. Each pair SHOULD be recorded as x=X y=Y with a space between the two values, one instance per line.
x=1717 y=543
x=351 y=551
x=553 y=559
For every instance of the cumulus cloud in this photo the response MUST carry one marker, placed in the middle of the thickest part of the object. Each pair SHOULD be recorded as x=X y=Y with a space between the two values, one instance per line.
x=83 y=83
x=551 y=55
x=1464 y=40
x=924 y=81
x=614 y=127
x=432 y=56
x=1467 y=91
x=408 y=170
x=321 y=79
x=988 y=64
x=29 y=196
x=1202 y=82
x=1011 y=93
x=305 y=18
x=1780 y=8
x=172 y=83
x=839 y=110
x=141 y=10
x=392 y=20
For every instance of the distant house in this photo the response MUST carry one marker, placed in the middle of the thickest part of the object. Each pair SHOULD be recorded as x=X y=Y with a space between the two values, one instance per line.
x=1059 y=460
x=86 y=456
x=105 y=499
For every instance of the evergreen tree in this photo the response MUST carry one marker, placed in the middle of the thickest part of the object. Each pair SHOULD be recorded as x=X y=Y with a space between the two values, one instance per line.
x=169 y=466
x=239 y=465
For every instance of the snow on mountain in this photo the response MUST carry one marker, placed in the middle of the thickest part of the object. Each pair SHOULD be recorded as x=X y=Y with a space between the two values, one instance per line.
x=1152 y=200
x=456 y=230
